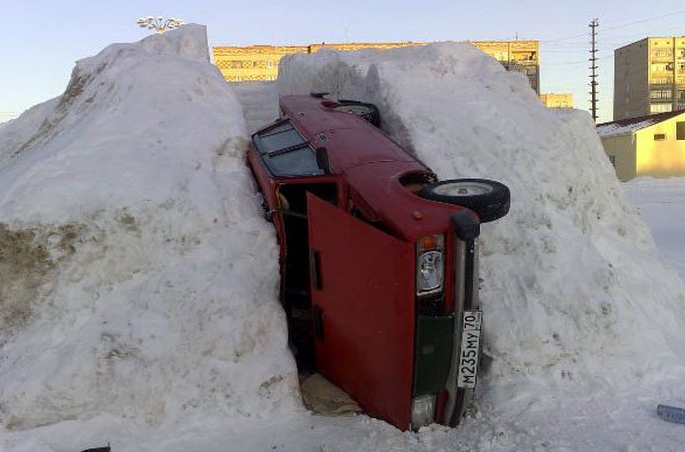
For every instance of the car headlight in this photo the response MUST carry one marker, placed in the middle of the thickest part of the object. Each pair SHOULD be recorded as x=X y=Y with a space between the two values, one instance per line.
x=430 y=264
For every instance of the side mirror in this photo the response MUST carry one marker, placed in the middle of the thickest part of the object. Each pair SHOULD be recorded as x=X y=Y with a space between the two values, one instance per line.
x=322 y=160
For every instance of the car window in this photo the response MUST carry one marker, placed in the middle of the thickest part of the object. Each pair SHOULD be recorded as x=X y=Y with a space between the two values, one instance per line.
x=280 y=137
x=286 y=153
x=299 y=162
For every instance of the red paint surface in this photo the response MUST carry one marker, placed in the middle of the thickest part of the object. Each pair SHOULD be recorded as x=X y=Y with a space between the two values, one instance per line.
x=371 y=165
x=368 y=293
x=367 y=299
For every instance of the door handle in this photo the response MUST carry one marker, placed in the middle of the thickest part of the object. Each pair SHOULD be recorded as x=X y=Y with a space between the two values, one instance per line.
x=315 y=269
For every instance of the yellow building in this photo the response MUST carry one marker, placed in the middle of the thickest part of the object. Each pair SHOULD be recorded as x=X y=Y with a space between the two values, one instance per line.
x=252 y=63
x=261 y=62
x=516 y=56
x=553 y=100
x=646 y=146
x=351 y=46
x=649 y=77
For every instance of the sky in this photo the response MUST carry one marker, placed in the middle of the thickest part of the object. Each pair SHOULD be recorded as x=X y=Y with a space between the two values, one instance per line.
x=41 y=40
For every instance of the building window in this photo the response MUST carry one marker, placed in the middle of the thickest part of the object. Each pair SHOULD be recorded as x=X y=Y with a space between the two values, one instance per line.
x=660 y=108
x=661 y=67
x=661 y=94
x=659 y=136
x=661 y=53
x=680 y=130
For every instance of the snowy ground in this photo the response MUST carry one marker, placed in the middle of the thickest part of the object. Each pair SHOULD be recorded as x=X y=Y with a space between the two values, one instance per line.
x=661 y=203
x=259 y=101
x=138 y=280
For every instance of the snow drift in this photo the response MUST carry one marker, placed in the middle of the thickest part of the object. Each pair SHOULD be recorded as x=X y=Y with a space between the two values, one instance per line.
x=138 y=281
x=573 y=289
x=137 y=275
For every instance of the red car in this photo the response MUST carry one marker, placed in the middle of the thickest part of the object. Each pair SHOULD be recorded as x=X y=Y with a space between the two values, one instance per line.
x=379 y=260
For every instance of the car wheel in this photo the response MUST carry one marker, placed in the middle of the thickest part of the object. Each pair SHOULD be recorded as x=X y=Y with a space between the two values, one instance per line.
x=368 y=112
x=489 y=199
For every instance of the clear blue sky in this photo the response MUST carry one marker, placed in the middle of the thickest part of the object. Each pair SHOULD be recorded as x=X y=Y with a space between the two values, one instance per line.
x=41 y=40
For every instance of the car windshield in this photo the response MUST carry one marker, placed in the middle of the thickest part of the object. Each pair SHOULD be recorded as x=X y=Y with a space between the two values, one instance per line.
x=285 y=152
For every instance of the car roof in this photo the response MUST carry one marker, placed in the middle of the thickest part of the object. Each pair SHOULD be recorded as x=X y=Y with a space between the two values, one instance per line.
x=370 y=162
x=350 y=140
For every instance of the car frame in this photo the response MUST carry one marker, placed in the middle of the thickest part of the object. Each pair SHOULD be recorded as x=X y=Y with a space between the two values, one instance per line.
x=378 y=260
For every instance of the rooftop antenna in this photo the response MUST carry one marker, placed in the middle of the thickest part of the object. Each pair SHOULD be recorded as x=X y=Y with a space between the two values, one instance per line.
x=593 y=68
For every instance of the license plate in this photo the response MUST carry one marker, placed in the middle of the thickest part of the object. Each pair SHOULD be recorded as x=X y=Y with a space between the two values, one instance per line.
x=467 y=361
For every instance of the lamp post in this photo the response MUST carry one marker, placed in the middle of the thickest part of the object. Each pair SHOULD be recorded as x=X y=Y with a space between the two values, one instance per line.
x=158 y=23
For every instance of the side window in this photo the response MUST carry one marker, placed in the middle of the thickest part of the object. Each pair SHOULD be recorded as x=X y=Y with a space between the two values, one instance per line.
x=286 y=152
x=659 y=136
x=680 y=130
x=279 y=137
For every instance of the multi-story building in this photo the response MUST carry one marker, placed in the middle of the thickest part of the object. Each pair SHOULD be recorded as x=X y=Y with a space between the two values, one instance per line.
x=553 y=100
x=252 y=63
x=261 y=62
x=649 y=77
x=516 y=56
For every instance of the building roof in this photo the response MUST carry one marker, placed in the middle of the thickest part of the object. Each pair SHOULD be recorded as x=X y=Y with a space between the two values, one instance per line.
x=630 y=125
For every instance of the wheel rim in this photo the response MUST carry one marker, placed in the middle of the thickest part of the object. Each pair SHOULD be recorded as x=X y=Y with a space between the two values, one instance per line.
x=462 y=189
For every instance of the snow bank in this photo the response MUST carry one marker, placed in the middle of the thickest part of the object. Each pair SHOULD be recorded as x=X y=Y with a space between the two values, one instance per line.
x=137 y=275
x=138 y=281
x=573 y=289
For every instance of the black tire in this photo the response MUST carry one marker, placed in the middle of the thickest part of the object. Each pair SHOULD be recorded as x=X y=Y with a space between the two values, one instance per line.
x=489 y=199
x=366 y=111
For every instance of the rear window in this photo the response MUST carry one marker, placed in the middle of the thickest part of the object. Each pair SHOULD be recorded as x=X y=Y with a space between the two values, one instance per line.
x=285 y=152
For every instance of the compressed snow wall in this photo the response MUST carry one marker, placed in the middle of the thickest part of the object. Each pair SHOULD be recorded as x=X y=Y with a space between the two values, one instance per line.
x=572 y=287
x=137 y=277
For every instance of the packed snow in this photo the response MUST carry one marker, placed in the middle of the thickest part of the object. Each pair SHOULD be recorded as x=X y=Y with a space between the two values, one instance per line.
x=141 y=275
x=661 y=203
x=139 y=281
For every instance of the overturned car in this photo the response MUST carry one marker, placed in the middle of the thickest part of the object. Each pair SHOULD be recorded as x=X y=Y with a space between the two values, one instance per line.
x=379 y=260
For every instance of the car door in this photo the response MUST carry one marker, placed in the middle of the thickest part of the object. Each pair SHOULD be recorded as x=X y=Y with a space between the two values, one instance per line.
x=363 y=310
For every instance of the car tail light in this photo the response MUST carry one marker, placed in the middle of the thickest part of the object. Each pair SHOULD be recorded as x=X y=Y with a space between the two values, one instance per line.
x=430 y=264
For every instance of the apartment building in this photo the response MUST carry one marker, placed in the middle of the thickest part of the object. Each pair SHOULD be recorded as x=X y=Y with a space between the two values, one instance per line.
x=516 y=56
x=649 y=77
x=260 y=62
x=557 y=100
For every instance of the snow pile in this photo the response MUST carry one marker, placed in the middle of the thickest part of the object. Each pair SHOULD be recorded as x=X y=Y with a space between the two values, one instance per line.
x=138 y=281
x=573 y=289
x=259 y=101
x=137 y=277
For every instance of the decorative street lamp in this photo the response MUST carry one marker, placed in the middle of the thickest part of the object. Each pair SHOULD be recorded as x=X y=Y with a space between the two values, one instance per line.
x=159 y=24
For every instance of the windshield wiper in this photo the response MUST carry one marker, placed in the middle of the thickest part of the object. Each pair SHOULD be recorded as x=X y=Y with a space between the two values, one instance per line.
x=294 y=147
